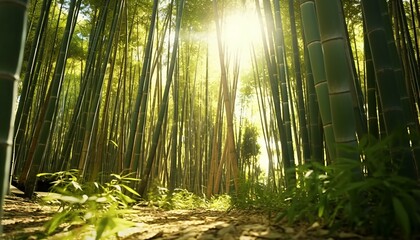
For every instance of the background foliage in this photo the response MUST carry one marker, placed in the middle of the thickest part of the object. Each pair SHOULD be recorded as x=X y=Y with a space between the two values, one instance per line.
x=313 y=101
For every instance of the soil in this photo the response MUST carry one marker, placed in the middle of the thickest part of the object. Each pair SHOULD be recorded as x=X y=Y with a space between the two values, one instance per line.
x=24 y=219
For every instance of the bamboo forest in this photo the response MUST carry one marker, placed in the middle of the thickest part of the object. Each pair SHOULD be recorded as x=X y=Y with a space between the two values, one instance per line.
x=210 y=119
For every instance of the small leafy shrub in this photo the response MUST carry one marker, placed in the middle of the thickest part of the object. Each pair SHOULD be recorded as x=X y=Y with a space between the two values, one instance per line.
x=159 y=197
x=221 y=202
x=90 y=204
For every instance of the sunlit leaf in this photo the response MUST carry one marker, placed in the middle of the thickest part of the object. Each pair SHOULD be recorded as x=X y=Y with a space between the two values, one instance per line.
x=43 y=174
x=101 y=199
x=131 y=179
x=117 y=176
x=118 y=187
x=76 y=185
x=308 y=173
x=130 y=190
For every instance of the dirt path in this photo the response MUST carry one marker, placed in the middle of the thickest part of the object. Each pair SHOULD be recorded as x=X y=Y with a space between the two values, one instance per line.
x=24 y=219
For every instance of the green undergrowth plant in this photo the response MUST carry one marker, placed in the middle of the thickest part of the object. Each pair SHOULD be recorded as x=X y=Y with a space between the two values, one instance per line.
x=183 y=199
x=257 y=196
x=369 y=197
x=306 y=201
x=84 y=205
x=220 y=202
x=381 y=201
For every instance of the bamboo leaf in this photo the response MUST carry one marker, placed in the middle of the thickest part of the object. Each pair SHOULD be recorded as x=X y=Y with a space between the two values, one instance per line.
x=131 y=179
x=43 y=174
x=117 y=176
x=118 y=187
x=321 y=210
x=76 y=185
x=117 y=225
x=55 y=222
x=114 y=143
x=100 y=228
x=130 y=190
x=402 y=216
x=410 y=202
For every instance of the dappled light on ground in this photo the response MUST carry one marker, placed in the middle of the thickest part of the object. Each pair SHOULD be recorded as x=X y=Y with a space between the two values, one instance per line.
x=24 y=219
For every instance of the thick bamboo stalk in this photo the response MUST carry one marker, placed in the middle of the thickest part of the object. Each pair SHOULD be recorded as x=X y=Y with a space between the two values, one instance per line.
x=315 y=125
x=339 y=75
x=373 y=123
x=12 y=30
x=316 y=60
x=215 y=149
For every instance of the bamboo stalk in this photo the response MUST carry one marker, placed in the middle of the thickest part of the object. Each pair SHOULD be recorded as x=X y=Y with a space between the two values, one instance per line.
x=12 y=29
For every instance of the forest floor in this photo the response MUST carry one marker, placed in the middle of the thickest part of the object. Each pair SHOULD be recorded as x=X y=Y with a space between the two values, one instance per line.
x=24 y=219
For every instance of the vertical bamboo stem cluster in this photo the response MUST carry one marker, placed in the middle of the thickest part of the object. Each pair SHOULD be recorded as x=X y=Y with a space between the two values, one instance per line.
x=303 y=130
x=231 y=158
x=46 y=119
x=164 y=105
x=273 y=47
x=389 y=82
x=97 y=93
x=136 y=126
x=30 y=80
x=275 y=31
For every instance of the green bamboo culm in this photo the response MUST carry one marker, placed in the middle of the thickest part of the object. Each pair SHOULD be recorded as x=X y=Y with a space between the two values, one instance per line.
x=315 y=134
x=12 y=32
x=316 y=63
x=339 y=75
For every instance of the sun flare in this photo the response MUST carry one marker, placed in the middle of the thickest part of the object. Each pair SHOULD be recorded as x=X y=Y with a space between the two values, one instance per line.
x=240 y=29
